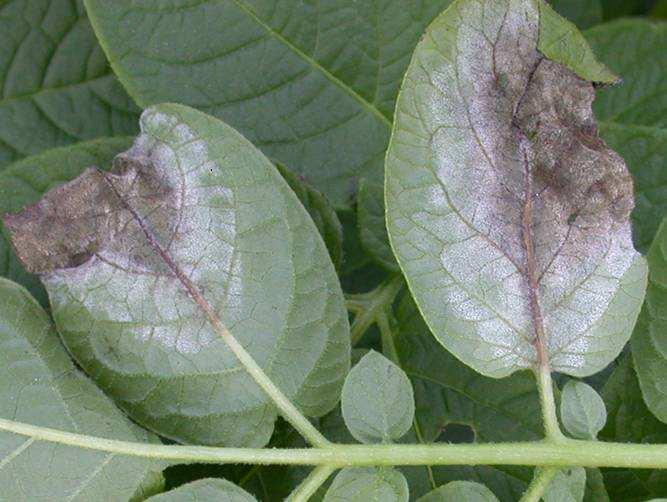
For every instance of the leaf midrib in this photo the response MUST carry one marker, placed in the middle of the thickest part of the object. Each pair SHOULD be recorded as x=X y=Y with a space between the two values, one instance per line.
x=314 y=64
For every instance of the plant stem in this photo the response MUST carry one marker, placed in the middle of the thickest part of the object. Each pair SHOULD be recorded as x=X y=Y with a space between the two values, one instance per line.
x=538 y=486
x=564 y=453
x=548 y=403
x=366 y=306
x=309 y=486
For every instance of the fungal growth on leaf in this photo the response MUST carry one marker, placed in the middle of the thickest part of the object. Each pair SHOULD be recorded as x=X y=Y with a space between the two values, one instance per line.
x=508 y=214
x=193 y=225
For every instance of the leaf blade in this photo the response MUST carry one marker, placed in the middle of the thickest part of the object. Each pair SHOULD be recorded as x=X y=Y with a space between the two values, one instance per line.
x=205 y=212
x=329 y=75
x=377 y=400
x=41 y=386
x=582 y=410
x=509 y=299
x=56 y=87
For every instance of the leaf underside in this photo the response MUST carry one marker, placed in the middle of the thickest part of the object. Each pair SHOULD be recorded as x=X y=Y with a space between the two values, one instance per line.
x=508 y=214
x=39 y=385
x=191 y=207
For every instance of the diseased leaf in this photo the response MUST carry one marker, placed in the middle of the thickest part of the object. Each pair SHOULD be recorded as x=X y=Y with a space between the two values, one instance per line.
x=633 y=49
x=55 y=84
x=645 y=151
x=567 y=486
x=649 y=340
x=322 y=213
x=366 y=484
x=204 y=490
x=25 y=181
x=192 y=211
x=311 y=85
x=377 y=400
x=39 y=385
x=507 y=213
x=583 y=13
x=582 y=410
x=629 y=421
x=460 y=490
x=372 y=229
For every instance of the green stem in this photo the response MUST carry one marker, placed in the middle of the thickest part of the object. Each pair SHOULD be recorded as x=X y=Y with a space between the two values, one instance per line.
x=309 y=486
x=538 y=486
x=282 y=402
x=548 y=403
x=366 y=306
x=387 y=337
x=564 y=453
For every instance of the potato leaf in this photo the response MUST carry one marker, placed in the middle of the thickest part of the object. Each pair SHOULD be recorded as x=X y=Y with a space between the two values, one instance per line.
x=39 y=385
x=509 y=216
x=377 y=400
x=311 y=85
x=56 y=87
x=320 y=210
x=568 y=485
x=460 y=490
x=368 y=484
x=582 y=410
x=645 y=151
x=630 y=421
x=194 y=223
x=24 y=182
x=203 y=490
x=634 y=49
x=649 y=343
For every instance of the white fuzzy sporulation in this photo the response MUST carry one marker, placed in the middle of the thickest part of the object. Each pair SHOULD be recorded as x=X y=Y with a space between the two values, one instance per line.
x=512 y=156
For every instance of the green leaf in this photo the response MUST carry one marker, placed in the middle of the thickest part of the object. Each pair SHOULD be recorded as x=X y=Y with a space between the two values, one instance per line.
x=460 y=490
x=561 y=41
x=203 y=490
x=39 y=385
x=633 y=49
x=321 y=212
x=582 y=410
x=372 y=228
x=505 y=280
x=25 y=182
x=368 y=484
x=583 y=13
x=312 y=85
x=629 y=421
x=192 y=207
x=55 y=85
x=649 y=344
x=377 y=400
x=619 y=8
x=595 y=488
x=568 y=485
x=645 y=151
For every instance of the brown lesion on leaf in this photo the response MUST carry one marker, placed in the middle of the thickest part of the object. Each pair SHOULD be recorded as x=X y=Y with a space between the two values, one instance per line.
x=86 y=217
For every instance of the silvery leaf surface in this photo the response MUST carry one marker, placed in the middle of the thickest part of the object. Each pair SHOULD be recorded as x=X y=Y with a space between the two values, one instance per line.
x=192 y=202
x=508 y=214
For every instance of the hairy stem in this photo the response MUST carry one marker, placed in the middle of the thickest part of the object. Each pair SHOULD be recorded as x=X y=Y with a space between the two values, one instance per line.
x=367 y=306
x=309 y=486
x=538 y=486
x=548 y=403
x=564 y=453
